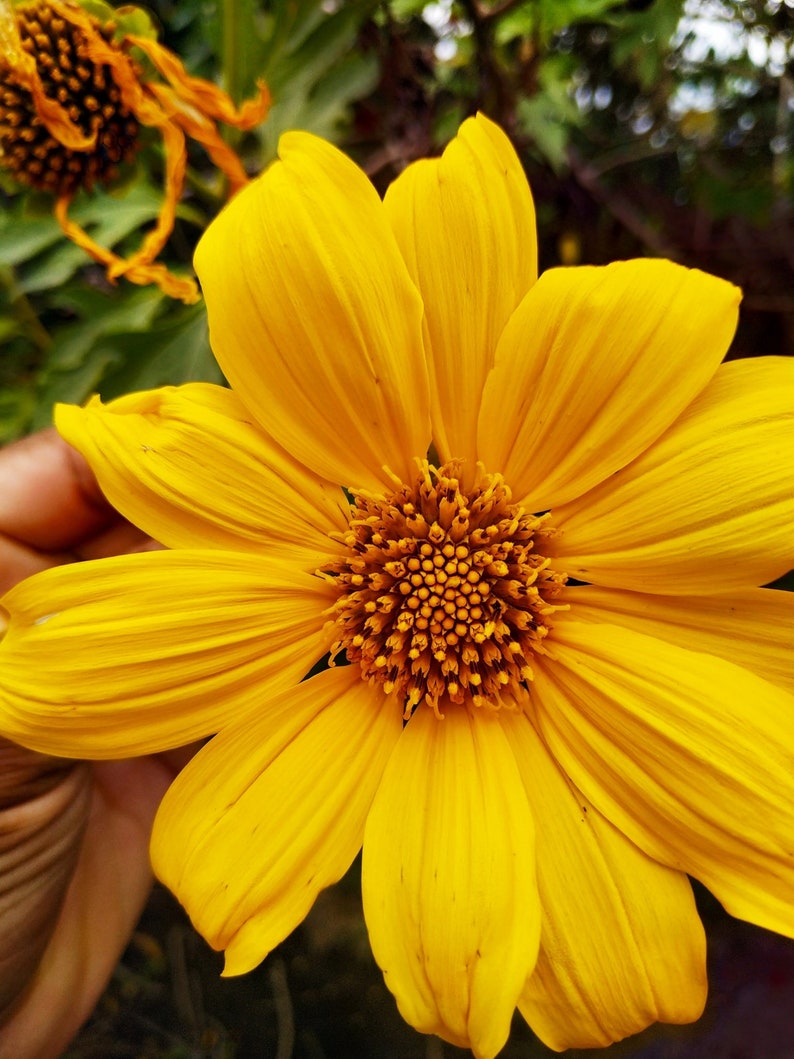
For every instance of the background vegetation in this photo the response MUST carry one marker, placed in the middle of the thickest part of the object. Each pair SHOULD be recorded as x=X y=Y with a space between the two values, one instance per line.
x=647 y=128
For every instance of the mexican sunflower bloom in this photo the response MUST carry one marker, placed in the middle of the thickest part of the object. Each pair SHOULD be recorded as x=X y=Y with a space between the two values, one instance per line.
x=78 y=85
x=526 y=520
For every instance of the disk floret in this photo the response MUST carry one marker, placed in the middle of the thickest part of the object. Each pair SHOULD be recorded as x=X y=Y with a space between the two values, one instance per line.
x=443 y=597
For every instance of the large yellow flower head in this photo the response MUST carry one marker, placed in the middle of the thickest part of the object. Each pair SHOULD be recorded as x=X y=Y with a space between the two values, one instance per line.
x=532 y=516
x=79 y=79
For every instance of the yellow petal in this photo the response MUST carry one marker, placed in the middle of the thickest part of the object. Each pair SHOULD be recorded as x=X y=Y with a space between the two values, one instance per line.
x=688 y=755
x=621 y=944
x=465 y=224
x=751 y=626
x=709 y=507
x=187 y=466
x=593 y=366
x=448 y=879
x=272 y=810
x=314 y=318
x=139 y=653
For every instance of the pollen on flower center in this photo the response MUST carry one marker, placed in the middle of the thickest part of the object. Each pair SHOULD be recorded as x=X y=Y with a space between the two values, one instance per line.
x=443 y=597
x=88 y=95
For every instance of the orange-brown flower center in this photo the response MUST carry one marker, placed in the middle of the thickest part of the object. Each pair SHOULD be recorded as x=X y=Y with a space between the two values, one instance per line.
x=88 y=95
x=443 y=597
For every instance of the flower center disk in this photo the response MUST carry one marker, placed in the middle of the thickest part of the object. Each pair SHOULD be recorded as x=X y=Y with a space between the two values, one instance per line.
x=86 y=91
x=443 y=597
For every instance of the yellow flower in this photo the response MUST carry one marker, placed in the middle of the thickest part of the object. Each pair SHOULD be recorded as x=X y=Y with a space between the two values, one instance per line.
x=531 y=765
x=77 y=87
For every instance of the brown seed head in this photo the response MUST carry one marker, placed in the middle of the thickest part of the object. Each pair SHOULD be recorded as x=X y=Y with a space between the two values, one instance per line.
x=86 y=91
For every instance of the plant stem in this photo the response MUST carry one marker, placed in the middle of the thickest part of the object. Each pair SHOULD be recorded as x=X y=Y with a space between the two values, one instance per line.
x=230 y=50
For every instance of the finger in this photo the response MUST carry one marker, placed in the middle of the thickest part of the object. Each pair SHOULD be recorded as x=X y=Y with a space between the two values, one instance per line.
x=44 y=805
x=17 y=562
x=104 y=900
x=119 y=539
x=49 y=499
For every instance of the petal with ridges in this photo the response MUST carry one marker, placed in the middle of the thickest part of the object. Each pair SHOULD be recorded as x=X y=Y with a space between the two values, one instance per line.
x=139 y=653
x=688 y=755
x=709 y=507
x=187 y=465
x=314 y=318
x=448 y=879
x=272 y=810
x=753 y=627
x=621 y=944
x=594 y=365
x=465 y=224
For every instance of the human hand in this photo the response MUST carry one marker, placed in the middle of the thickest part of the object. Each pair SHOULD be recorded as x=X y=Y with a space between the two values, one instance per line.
x=74 y=836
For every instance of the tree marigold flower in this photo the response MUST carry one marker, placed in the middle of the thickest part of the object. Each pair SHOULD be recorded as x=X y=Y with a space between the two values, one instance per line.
x=564 y=690
x=77 y=87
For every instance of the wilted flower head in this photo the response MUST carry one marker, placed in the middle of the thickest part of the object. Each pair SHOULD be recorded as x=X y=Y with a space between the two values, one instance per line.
x=79 y=79
x=532 y=514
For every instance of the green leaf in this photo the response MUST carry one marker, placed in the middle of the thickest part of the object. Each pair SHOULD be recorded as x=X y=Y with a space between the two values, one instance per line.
x=71 y=387
x=544 y=18
x=17 y=405
x=520 y=21
x=313 y=67
x=403 y=10
x=22 y=237
x=109 y=219
x=643 y=41
x=127 y=348
x=550 y=115
x=176 y=350
x=101 y=316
